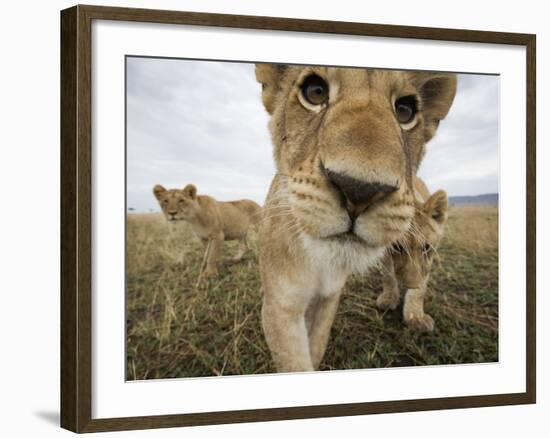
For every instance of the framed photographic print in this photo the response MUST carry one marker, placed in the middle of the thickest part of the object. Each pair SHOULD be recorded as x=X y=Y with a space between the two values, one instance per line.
x=268 y=218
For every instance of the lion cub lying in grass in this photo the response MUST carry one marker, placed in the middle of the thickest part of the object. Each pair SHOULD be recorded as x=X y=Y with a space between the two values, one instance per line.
x=407 y=266
x=212 y=221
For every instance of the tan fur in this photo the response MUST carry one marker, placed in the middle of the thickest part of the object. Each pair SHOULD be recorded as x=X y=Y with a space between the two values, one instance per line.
x=212 y=221
x=307 y=248
x=407 y=266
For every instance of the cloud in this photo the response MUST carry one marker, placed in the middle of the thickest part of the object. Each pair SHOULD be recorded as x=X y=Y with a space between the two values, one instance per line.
x=463 y=156
x=203 y=122
x=199 y=122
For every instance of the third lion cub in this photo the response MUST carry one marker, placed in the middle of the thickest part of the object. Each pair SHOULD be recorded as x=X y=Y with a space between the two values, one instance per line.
x=407 y=266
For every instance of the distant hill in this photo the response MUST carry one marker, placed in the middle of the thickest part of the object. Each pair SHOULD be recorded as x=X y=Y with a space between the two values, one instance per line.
x=486 y=199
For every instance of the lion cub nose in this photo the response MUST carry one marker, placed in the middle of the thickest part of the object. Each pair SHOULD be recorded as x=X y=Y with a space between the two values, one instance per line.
x=359 y=195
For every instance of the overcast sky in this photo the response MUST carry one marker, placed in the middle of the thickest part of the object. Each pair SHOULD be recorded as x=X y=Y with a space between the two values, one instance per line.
x=203 y=122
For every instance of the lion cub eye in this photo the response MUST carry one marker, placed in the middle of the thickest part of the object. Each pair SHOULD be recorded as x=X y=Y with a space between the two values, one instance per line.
x=315 y=90
x=398 y=248
x=405 y=109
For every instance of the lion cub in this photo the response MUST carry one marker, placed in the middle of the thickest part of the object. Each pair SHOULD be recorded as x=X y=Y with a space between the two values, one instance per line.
x=407 y=266
x=212 y=221
x=346 y=142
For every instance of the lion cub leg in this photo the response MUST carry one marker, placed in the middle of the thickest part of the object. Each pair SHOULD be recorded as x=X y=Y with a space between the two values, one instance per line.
x=214 y=248
x=390 y=297
x=241 y=250
x=320 y=321
x=286 y=335
x=413 y=310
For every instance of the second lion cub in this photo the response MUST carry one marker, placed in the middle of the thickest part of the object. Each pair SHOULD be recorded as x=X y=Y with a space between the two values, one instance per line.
x=212 y=221
x=407 y=266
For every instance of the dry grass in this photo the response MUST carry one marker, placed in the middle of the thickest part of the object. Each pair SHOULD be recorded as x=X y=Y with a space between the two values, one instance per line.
x=473 y=228
x=177 y=327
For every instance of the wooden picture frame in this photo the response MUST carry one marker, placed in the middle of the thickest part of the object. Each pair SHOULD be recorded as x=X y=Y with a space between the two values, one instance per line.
x=76 y=217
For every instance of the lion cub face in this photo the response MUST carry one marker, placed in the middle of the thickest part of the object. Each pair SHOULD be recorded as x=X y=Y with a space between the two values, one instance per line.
x=413 y=255
x=177 y=204
x=347 y=143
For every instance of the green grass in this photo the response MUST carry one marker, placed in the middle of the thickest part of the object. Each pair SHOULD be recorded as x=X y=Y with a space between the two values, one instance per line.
x=179 y=327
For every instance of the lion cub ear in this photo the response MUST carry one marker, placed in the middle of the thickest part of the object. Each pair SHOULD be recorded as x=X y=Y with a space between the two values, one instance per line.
x=270 y=76
x=158 y=190
x=437 y=91
x=190 y=190
x=436 y=206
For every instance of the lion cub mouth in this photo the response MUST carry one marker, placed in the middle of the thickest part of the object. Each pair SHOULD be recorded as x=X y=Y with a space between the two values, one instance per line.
x=346 y=237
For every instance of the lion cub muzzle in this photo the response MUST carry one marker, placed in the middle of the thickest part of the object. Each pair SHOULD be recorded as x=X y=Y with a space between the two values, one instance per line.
x=358 y=195
x=171 y=215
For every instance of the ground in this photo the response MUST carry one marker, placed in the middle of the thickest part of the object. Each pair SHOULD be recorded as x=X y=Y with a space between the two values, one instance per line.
x=180 y=325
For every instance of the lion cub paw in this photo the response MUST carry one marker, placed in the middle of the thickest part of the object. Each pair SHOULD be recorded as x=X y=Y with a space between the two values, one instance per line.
x=387 y=301
x=423 y=324
x=210 y=273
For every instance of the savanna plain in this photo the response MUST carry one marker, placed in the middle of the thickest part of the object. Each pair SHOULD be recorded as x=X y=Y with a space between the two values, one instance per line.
x=179 y=324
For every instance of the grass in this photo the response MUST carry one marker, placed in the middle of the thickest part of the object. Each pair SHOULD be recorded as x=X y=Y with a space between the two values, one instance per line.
x=179 y=327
